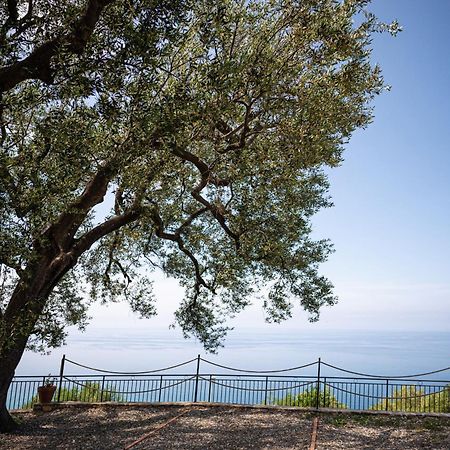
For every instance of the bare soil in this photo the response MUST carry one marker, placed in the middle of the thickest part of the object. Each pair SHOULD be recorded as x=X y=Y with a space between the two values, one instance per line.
x=218 y=427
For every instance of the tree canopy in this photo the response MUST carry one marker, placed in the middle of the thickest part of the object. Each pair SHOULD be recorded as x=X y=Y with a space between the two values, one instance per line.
x=192 y=137
x=211 y=127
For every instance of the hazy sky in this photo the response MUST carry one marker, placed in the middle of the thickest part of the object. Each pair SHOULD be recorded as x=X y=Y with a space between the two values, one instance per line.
x=391 y=220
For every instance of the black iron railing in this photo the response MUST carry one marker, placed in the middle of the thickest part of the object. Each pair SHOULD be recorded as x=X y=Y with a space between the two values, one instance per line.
x=327 y=388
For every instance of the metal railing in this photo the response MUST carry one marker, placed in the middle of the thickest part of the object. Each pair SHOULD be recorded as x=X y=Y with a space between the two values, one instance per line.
x=327 y=388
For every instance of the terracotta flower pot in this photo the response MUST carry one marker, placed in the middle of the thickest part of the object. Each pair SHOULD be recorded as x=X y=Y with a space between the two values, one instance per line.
x=46 y=393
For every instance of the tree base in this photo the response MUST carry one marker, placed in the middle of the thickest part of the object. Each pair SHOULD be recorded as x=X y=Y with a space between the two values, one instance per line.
x=7 y=423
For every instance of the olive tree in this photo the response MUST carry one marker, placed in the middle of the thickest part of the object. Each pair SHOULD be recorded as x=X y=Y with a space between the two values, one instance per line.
x=192 y=138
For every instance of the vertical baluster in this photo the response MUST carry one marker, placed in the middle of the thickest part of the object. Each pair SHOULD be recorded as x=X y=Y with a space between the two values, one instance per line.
x=160 y=389
x=196 y=379
x=265 y=390
x=102 y=387
x=209 y=390
x=61 y=374
x=387 y=396
x=318 y=385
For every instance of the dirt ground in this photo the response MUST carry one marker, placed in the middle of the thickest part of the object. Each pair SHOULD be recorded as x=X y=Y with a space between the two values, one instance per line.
x=221 y=428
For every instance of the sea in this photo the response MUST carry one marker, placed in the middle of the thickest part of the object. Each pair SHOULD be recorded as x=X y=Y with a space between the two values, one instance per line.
x=384 y=353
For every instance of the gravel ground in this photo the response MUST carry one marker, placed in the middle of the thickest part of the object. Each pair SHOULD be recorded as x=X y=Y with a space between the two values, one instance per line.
x=383 y=432
x=221 y=428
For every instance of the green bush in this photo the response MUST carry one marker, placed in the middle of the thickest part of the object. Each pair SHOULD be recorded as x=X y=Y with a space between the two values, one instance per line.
x=308 y=398
x=414 y=399
x=90 y=392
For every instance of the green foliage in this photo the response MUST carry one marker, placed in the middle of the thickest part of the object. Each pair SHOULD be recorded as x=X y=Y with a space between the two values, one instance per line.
x=193 y=137
x=414 y=399
x=90 y=392
x=308 y=399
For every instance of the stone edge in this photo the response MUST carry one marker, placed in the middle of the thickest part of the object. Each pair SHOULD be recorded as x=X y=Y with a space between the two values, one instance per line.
x=64 y=405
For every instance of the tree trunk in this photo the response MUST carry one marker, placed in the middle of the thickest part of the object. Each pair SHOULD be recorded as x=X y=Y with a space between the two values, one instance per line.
x=18 y=322
x=12 y=351
x=7 y=368
x=55 y=253
x=7 y=423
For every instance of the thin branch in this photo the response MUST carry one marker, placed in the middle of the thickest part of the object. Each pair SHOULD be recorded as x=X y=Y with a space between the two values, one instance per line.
x=190 y=219
x=12 y=265
x=217 y=212
x=152 y=263
x=203 y=168
x=25 y=22
x=111 y=257
x=124 y=273
x=176 y=237
x=207 y=177
x=228 y=203
x=233 y=41
x=118 y=200
x=244 y=128
x=234 y=131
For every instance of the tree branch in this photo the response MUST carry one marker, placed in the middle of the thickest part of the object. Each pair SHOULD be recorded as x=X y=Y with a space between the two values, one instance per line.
x=118 y=200
x=203 y=168
x=217 y=212
x=24 y=23
x=13 y=15
x=190 y=219
x=176 y=237
x=38 y=64
x=86 y=241
x=207 y=177
x=244 y=129
x=12 y=10
x=64 y=229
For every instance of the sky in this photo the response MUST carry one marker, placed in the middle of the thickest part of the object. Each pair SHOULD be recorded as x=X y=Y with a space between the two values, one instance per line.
x=391 y=220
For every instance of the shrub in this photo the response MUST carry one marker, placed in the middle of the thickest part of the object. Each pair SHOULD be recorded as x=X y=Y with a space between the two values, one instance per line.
x=308 y=398
x=90 y=392
x=414 y=399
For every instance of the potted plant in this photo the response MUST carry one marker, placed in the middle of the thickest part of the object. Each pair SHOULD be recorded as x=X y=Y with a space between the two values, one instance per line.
x=47 y=391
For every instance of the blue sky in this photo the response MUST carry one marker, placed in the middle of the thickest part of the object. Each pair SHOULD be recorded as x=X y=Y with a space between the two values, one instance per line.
x=391 y=220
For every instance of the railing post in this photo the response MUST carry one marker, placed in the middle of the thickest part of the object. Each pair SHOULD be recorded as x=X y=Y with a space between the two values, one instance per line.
x=196 y=379
x=160 y=388
x=209 y=390
x=265 y=391
x=318 y=386
x=61 y=375
x=387 y=395
x=103 y=386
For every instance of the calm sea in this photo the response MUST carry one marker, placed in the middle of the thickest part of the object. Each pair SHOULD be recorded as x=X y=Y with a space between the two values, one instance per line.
x=382 y=353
